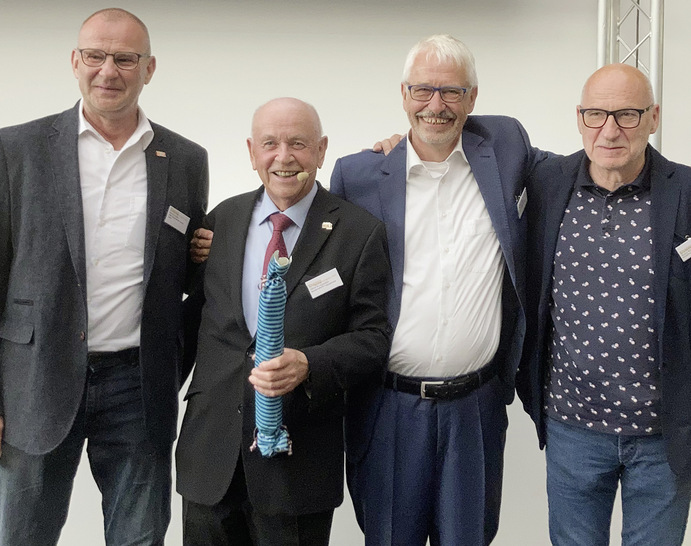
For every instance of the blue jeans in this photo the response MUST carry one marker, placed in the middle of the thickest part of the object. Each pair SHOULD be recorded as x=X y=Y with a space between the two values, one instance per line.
x=133 y=477
x=584 y=469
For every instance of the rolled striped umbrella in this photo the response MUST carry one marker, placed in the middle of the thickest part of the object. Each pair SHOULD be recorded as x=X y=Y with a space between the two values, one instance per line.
x=270 y=435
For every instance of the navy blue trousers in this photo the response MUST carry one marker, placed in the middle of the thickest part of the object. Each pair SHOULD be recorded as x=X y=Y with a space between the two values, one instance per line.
x=433 y=470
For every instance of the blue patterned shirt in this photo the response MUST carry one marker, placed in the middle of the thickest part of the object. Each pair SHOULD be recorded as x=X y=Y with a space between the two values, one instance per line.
x=604 y=374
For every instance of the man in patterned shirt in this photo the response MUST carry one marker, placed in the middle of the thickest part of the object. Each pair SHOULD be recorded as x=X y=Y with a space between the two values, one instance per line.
x=606 y=373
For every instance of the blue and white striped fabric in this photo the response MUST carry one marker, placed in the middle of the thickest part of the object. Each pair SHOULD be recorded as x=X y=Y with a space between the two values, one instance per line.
x=270 y=436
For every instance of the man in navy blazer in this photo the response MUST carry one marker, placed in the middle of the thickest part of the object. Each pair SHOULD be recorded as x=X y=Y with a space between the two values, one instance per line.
x=425 y=450
x=606 y=374
x=97 y=206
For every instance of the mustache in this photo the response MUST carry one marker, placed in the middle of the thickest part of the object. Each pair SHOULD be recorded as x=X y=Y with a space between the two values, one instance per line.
x=444 y=114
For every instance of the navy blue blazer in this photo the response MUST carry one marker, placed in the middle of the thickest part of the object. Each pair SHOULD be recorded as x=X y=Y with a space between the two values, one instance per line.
x=43 y=309
x=550 y=187
x=501 y=158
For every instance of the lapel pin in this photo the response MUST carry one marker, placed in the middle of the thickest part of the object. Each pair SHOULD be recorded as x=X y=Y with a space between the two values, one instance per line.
x=328 y=226
x=159 y=153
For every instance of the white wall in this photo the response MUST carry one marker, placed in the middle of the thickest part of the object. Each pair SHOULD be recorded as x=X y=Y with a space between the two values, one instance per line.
x=218 y=60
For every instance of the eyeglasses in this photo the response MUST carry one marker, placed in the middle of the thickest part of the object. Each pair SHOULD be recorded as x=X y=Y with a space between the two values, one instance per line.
x=424 y=93
x=123 y=59
x=626 y=118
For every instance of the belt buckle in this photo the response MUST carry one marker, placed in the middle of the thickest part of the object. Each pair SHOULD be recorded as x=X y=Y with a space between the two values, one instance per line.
x=423 y=386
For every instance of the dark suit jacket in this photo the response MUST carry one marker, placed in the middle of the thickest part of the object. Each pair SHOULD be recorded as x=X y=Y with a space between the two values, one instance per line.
x=43 y=325
x=344 y=334
x=500 y=157
x=551 y=187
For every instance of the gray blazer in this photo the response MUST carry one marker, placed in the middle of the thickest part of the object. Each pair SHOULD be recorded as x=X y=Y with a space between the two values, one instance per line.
x=43 y=310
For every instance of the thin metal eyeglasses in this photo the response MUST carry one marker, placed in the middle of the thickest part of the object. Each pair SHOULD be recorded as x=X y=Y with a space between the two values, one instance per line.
x=127 y=60
x=626 y=118
x=424 y=93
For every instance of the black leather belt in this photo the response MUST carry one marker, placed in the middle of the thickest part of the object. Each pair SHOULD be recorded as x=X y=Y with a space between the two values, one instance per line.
x=108 y=358
x=447 y=389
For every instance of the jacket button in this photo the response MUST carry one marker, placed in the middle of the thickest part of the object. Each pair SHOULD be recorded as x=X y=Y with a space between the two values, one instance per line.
x=239 y=408
x=82 y=336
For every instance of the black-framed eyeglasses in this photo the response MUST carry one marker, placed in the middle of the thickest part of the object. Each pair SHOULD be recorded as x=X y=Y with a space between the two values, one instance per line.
x=126 y=60
x=626 y=118
x=424 y=93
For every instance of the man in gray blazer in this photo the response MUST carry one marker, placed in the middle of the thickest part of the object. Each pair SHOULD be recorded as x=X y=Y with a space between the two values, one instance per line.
x=96 y=208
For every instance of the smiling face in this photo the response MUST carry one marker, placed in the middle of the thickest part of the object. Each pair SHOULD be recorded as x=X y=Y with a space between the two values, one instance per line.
x=617 y=155
x=108 y=91
x=286 y=140
x=435 y=125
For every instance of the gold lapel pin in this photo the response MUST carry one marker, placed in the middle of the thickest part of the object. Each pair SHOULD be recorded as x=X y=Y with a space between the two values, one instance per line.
x=159 y=153
x=327 y=226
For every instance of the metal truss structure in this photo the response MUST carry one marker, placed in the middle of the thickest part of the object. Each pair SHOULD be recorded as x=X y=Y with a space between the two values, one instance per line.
x=632 y=32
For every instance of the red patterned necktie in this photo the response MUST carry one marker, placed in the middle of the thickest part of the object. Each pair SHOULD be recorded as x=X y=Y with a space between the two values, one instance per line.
x=280 y=222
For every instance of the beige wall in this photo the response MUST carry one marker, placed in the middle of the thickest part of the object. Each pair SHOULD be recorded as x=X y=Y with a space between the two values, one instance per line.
x=218 y=60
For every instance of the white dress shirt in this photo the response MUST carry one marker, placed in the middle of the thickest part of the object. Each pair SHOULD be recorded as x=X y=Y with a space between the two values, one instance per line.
x=450 y=317
x=114 y=191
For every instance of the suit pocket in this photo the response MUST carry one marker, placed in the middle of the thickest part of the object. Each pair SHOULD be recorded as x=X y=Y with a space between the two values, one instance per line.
x=16 y=332
x=17 y=324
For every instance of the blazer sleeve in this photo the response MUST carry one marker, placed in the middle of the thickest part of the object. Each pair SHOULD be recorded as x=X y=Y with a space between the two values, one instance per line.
x=336 y=184
x=5 y=242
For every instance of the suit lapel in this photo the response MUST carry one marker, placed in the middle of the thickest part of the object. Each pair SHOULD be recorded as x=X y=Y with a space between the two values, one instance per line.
x=64 y=158
x=483 y=163
x=157 y=186
x=665 y=195
x=392 y=197
x=312 y=236
x=238 y=228
x=554 y=207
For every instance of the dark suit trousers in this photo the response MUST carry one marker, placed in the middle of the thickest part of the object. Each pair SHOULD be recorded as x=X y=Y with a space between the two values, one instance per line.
x=235 y=522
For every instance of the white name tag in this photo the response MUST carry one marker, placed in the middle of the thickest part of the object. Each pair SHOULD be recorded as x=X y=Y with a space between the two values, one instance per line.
x=324 y=283
x=177 y=219
x=684 y=250
x=522 y=202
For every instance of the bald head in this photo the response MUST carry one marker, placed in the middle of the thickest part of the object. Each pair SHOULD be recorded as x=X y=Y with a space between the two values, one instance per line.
x=288 y=107
x=616 y=78
x=115 y=15
x=617 y=154
x=286 y=141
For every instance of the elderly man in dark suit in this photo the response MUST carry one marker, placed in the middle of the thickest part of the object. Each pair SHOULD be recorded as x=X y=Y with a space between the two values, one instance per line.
x=336 y=338
x=606 y=374
x=97 y=205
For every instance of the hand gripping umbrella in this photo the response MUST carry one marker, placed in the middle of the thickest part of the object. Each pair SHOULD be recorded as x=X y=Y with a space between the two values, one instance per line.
x=270 y=436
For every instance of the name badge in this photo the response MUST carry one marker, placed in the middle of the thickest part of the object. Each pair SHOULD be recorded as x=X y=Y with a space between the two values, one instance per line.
x=324 y=283
x=177 y=220
x=684 y=250
x=521 y=202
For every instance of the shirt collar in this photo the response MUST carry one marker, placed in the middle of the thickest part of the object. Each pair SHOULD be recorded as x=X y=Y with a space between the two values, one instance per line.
x=297 y=212
x=143 y=133
x=641 y=183
x=415 y=164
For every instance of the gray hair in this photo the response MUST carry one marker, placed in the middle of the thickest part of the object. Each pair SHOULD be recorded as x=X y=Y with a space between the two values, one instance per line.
x=444 y=48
